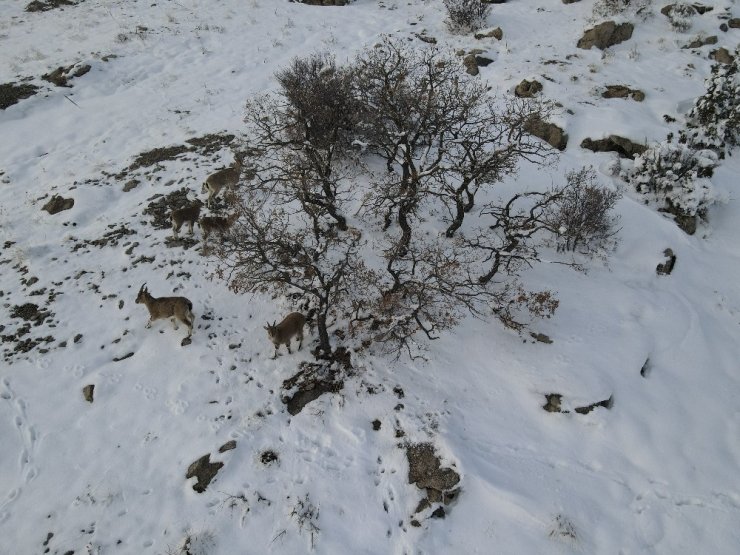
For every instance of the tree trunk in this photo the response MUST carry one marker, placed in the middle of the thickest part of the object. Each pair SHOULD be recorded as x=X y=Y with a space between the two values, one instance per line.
x=324 y=343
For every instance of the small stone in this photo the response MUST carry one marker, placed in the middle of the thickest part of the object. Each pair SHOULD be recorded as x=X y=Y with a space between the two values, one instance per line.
x=57 y=204
x=553 y=402
x=527 y=89
x=376 y=424
x=87 y=392
x=78 y=338
x=439 y=512
x=471 y=65
x=722 y=55
x=228 y=446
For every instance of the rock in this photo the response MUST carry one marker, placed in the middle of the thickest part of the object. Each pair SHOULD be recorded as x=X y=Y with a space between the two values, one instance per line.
x=722 y=55
x=548 y=132
x=204 y=470
x=425 y=38
x=605 y=35
x=376 y=424
x=124 y=357
x=527 y=89
x=471 y=65
x=553 y=402
x=496 y=33
x=614 y=143
x=482 y=61
x=723 y=27
x=228 y=446
x=439 y=512
x=87 y=392
x=686 y=222
x=607 y=404
x=57 y=204
x=541 y=337
x=11 y=93
x=43 y=6
x=130 y=184
x=570 y=1
x=702 y=9
x=666 y=267
x=698 y=42
x=78 y=338
x=734 y=23
x=323 y=2
x=426 y=471
x=82 y=70
x=621 y=91
x=645 y=370
x=268 y=457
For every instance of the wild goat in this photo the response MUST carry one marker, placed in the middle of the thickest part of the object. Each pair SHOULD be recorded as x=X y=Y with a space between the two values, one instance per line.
x=227 y=177
x=175 y=308
x=218 y=224
x=282 y=333
x=189 y=214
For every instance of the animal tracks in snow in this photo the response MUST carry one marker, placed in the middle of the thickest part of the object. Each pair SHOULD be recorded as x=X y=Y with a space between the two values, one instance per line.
x=29 y=440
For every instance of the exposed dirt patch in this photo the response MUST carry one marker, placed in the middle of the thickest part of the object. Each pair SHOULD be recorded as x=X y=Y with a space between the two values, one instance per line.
x=211 y=143
x=205 y=145
x=12 y=93
x=31 y=313
x=160 y=207
x=157 y=155
x=110 y=238
x=46 y=5
x=427 y=472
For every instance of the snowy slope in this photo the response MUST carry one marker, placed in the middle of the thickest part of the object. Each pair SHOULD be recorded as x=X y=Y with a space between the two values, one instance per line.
x=656 y=473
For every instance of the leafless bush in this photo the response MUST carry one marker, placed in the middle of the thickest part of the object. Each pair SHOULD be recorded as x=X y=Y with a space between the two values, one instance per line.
x=609 y=8
x=581 y=215
x=465 y=16
x=306 y=514
x=680 y=16
x=321 y=109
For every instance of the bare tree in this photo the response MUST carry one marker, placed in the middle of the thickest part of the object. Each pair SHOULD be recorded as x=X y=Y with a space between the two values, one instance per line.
x=304 y=132
x=281 y=248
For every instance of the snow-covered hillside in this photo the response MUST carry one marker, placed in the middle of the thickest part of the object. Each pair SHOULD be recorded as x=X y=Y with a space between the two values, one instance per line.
x=651 y=468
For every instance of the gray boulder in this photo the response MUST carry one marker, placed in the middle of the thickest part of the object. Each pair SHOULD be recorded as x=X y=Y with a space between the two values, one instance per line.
x=605 y=35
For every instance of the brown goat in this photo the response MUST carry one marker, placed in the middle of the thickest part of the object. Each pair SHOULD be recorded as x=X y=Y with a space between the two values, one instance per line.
x=216 y=224
x=225 y=178
x=189 y=214
x=175 y=308
x=282 y=333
